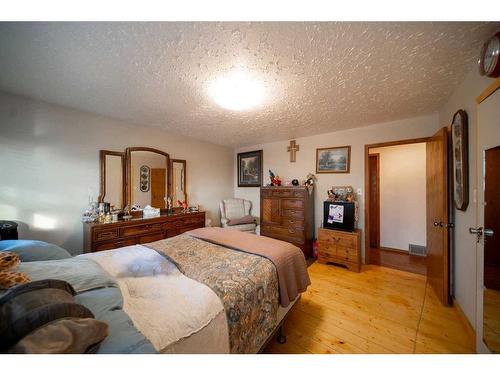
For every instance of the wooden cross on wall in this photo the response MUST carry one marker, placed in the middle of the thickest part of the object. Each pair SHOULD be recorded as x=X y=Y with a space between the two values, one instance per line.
x=292 y=149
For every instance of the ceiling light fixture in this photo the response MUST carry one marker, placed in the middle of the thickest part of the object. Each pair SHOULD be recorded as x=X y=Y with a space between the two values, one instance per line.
x=237 y=91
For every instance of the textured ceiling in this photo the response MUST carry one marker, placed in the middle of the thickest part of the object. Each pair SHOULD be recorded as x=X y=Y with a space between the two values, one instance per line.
x=319 y=77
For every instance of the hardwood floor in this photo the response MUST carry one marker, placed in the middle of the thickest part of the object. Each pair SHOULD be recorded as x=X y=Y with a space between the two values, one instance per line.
x=379 y=310
x=399 y=260
x=491 y=328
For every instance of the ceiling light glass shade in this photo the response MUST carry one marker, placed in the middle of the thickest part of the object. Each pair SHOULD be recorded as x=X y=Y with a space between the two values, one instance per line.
x=236 y=91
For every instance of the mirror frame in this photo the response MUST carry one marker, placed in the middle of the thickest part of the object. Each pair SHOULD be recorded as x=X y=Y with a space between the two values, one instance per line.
x=181 y=161
x=128 y=180
x=102 y=162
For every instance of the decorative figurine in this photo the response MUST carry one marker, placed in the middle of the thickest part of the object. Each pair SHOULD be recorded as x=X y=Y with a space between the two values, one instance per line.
x=184 y=205
x=168 y=203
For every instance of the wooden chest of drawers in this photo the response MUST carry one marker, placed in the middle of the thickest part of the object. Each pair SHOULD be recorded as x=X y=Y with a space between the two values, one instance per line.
x=340 y=247
x=287 y=213
x=98 y=237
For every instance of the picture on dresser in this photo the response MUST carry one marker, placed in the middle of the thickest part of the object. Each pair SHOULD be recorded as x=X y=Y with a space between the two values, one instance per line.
x=333 y=159
x=250 y=169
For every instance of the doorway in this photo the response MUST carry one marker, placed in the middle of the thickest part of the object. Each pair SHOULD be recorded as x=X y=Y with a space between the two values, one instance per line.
x=487 y=228
x=397 y=217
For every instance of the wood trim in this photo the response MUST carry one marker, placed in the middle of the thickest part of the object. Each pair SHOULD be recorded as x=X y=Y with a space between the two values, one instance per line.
x=469 y=330
x=367 y=187
x=407 y=252
x=494 y=86
x=102 y=167
x=171 y=170
x=331 y=148
x=128 y=158
x=377 y=221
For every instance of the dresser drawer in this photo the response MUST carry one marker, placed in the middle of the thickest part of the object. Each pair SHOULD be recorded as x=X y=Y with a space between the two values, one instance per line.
x=346 y=241
x=282 y=193
x=291 y=222
x=114 y=244
x=347 y=254
x=283 y=233
x=326 y=248
x=294 y=204
x=141 y=229
x=294 y=214
x=106 y=234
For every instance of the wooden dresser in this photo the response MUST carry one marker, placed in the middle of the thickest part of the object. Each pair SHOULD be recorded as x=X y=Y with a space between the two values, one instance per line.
x=98 y=237
x=287 y=213
x=340 y=247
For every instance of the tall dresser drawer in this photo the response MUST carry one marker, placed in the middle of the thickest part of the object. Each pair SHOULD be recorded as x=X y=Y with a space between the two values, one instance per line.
x=292 y=204
x=294 y=214
x=282 y=193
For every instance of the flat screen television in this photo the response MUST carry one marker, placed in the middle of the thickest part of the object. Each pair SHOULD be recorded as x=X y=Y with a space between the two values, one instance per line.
x=338 y=215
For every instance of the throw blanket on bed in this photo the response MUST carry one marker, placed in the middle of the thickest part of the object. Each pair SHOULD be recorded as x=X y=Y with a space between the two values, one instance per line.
x=288 y=259
x=246 y=284
x=164 y=305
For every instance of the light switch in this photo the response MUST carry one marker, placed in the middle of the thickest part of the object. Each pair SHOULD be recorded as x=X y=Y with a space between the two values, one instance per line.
x=359 y=191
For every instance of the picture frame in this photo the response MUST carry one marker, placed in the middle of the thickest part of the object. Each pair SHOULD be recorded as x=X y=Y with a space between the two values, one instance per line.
x=333 y=159
x=144 y=179
x=250 y=169
x=460 y=156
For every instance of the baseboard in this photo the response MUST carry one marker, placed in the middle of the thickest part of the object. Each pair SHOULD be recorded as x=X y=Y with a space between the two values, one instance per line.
x=471 y=332
x=394 y=250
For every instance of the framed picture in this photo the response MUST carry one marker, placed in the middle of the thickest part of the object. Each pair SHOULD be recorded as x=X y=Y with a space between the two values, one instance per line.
x=333 y=159
x=250 y=169
x=460 y=146
x=144 y=178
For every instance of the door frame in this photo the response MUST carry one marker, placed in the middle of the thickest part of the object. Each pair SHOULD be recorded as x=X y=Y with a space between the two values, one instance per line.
x=367 y=185
x=369 y=193
x=480 y=345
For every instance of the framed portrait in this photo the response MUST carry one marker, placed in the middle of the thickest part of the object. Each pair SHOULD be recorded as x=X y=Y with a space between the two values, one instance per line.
x=460 y=146
x=250 y=169
x=333 y=159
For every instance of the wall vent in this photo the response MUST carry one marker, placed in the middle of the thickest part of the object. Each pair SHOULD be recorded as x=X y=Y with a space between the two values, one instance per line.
x=417 y=250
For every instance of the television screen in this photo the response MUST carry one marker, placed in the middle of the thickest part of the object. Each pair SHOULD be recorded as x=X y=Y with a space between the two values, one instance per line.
x=338 y=215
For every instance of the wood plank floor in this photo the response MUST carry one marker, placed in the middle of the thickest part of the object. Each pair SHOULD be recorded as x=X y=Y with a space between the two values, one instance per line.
x=380 y=310
x=399 y=260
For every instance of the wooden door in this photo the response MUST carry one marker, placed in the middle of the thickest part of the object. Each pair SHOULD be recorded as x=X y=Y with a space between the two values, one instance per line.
x=374 y=183
x=491 y=221
x=438 y=267
x=271 y=211
x=158 y=187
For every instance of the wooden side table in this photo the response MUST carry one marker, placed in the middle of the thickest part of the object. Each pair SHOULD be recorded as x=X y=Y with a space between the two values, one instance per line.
x=340 y=247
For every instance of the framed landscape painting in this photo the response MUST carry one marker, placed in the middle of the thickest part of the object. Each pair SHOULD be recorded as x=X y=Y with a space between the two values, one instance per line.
x=250 y=169
x=333 y=159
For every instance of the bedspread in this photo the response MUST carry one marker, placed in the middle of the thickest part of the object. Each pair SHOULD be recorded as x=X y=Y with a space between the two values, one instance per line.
x=246 y=284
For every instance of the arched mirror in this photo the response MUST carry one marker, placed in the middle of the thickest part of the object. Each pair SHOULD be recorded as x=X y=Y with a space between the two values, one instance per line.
x=148 y=177
x=178 y=170
x=112 y=178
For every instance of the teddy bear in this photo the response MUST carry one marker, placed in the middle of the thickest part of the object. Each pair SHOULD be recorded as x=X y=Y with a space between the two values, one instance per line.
x=9 y=277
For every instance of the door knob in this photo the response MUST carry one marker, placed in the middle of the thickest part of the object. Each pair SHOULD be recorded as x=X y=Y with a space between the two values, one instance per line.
x=488 y=232
x=438 y=224
x=480 y=232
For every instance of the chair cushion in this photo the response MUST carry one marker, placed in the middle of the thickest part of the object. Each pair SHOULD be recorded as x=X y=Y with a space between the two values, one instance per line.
x=248 y=219
x=29 y=250
x=243 y=227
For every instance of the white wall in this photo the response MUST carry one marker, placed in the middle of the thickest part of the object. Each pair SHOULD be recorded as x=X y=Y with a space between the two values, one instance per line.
x=49 y=159
x=464 y=257
x=402 y=191
x=277 y=159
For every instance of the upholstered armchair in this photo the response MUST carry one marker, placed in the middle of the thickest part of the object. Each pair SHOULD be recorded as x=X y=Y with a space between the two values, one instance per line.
x=235 y=214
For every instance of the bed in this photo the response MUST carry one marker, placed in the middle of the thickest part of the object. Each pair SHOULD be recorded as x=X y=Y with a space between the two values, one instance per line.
x=193 y=293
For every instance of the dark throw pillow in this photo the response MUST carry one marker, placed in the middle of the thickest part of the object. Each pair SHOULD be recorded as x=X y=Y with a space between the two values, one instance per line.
x=42 y=317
